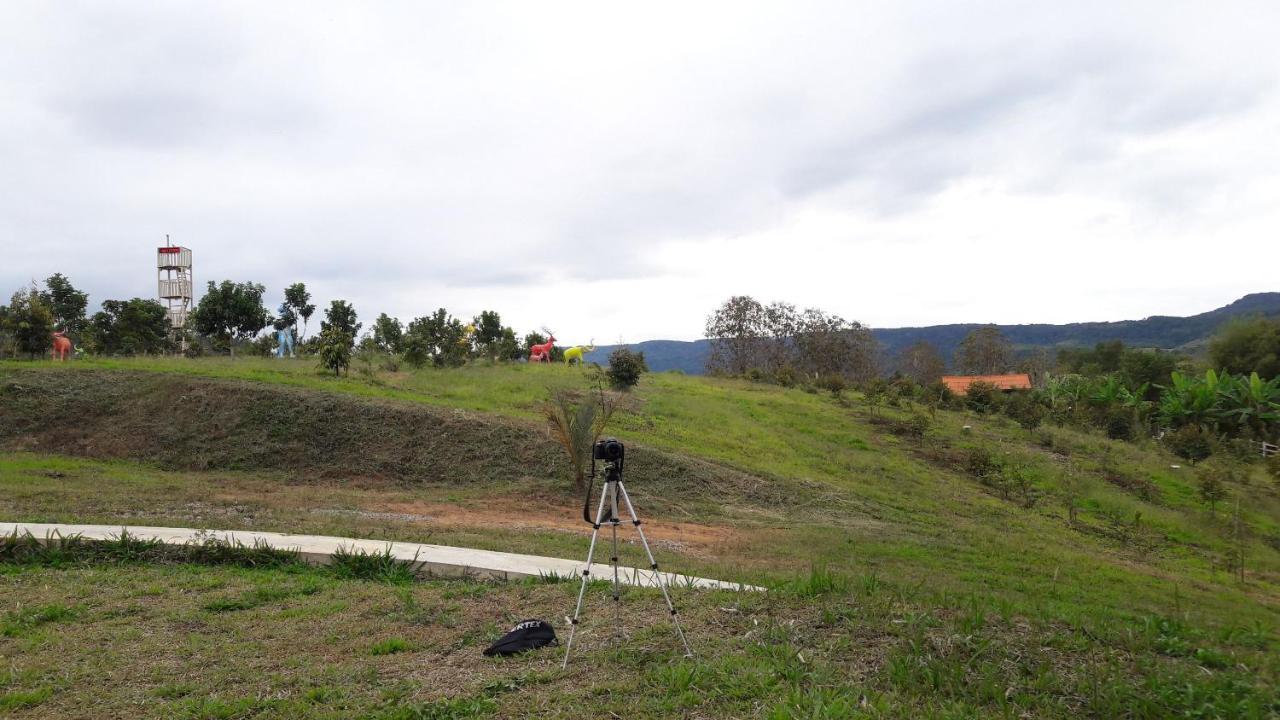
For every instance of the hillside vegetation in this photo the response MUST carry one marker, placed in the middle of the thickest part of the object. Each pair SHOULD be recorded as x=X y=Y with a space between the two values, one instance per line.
x=1090 y=570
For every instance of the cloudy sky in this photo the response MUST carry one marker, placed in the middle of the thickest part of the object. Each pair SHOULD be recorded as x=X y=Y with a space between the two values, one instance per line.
x=614 y=171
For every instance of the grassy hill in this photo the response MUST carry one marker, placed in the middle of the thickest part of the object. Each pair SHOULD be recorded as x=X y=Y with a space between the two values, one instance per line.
x=907 y=582
x=1189 y=334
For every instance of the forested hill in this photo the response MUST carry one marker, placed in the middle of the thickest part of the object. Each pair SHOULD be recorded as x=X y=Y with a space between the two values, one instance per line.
x=1159 y=331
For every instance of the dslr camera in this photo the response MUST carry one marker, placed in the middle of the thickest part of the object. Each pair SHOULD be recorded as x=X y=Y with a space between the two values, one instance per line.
x=609 y=450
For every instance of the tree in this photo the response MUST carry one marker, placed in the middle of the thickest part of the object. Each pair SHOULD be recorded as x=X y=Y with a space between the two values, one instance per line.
x=984 y=351
x=29 y=323
x=1248 y=345
x=67 y=305
x=388 y=334
x=488 y=335
x=335 y=349
x=231 y=311
x=298 y=300
x=922 y=362
x=736 y=331
x=508 y=346
x=438 y=338
x=341 y=315
x=625 y=368
x=827 y=345
x=129 y=327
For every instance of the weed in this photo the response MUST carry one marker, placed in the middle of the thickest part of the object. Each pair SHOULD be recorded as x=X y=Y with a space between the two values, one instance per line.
x=381 y=566
x=390 y=646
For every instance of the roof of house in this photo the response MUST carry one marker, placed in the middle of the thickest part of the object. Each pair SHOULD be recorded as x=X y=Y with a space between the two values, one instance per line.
x=959 y=384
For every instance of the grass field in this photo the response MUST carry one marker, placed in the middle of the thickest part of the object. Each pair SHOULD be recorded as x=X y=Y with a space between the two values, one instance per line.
x=937 y=592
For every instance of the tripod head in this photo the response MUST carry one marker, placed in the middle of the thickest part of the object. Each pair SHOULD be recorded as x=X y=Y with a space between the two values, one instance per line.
x=612 y=453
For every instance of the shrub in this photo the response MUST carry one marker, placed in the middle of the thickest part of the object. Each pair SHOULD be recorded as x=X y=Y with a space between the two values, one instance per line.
x=1025 y=410
x=914 y=427
x=1190 y=443
x=983 y=398
x=981 y=463
x=335 y=350
x=625 y=368
x=833 y=384
x=1118 y=424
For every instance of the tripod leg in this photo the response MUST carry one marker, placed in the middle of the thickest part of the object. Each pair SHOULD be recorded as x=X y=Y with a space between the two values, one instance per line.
x=586 y=577
x=613 y=521
x=662 y=585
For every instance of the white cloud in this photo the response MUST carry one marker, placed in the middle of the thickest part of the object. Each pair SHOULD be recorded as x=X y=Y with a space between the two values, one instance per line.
x=618 y=170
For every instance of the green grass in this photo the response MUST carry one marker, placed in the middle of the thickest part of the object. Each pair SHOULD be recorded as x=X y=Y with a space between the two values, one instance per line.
x=916 y=587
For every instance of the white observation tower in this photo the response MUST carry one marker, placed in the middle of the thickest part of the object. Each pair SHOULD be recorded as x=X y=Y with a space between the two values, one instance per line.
x=173 y=268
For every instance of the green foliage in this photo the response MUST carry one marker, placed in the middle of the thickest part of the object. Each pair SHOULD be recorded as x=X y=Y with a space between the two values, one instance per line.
x=390 y=646
x=297 y=303
x=439 y=338
x=341 y=315
x=67 y=305
x=983 y=397
x=129 y=327
x=335 y=350
x=388 y=334
x=1248 y=345
x=1211 y=485
x=1190 y=442
x=231 y=312
x=625 y=368
x=28 y=322
x=576 y=421
x=1026 y=409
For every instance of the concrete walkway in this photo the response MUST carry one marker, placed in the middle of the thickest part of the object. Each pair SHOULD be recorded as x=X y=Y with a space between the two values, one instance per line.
x=428 y=559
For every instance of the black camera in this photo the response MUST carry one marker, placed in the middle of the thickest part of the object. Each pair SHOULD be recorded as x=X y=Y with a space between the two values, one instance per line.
x=608 y=450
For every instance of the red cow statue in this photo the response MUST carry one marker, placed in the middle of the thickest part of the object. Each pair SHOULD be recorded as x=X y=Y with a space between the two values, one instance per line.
x=542 y=353
x=61 y=346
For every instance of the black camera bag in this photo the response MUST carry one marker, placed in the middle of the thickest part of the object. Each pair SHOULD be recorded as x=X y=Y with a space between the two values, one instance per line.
x=528 y=635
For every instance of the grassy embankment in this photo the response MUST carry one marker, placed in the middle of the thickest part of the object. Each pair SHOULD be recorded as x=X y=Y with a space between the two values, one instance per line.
x=942 y=581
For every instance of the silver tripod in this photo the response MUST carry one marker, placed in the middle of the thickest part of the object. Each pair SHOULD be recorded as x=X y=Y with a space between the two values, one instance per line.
x=613 y=487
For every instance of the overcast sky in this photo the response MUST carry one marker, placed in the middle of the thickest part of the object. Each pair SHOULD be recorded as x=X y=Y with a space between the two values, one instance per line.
x=614 y=171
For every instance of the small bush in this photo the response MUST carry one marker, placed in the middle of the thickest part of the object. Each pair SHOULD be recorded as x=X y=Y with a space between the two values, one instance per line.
x=1118 y=424
x=981 y=463
x=833 y=384
x=1025 y=410
x=983 y=398
x=915 y=426
x=625 y=368
x=1190 y=443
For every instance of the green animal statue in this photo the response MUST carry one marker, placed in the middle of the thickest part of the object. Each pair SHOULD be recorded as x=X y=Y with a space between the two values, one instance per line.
x=577 y=352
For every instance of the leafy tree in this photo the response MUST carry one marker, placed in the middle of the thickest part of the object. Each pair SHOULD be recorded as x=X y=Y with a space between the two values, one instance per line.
x=625 y=368
x=438 y=338
x=488 y=336
x=67 y=304
x=29 y=323
x=388 y=334
x=827 y=345
x=298 y=300
x=984 y=351
x=508 y=346
x=1248 y=345
x=341 y=315
x=129 y=327
x=736 y=330
x=335 y=349
x=922 y=362
x=231 y=312
x=1212 y=488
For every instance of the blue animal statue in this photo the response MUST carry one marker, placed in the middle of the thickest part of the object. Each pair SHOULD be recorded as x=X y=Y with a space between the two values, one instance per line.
x=284 y=342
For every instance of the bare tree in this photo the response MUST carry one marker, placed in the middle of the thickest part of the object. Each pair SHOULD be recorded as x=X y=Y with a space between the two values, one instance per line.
x=984 y=351
x=922 y=362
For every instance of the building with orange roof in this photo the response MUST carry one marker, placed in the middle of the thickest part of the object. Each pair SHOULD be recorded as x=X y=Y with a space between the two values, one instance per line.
x=959 y=384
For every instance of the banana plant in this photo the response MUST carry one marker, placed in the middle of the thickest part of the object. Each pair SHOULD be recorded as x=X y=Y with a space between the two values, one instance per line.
x=1190 y=401
x=1250 y=403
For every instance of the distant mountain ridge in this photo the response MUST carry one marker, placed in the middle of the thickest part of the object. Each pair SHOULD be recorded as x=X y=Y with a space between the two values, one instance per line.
x=1159 y=331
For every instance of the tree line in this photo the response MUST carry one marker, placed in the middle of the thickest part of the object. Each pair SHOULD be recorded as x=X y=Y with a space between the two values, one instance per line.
x=231 y=317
